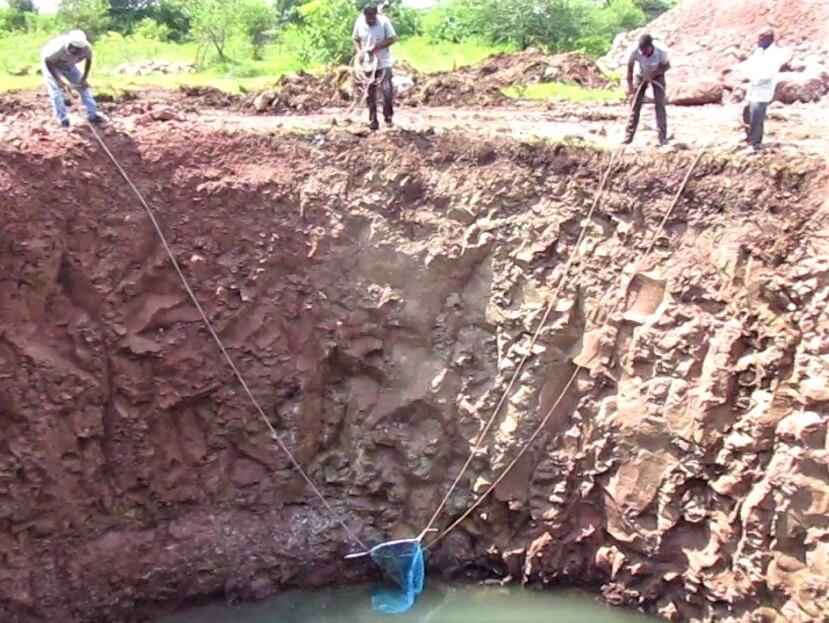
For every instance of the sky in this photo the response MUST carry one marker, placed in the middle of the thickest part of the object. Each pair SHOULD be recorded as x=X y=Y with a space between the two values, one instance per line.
x=50 y=6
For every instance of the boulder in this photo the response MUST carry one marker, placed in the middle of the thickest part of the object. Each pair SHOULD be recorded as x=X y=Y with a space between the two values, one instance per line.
x=696 y=93
x=809 y=85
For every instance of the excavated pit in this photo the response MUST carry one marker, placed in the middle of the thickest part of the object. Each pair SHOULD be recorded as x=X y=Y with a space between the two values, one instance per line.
x=376 y=294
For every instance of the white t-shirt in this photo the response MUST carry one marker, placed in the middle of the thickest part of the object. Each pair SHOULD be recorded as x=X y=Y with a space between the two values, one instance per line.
x=372 y=35
x=57 y=52
x=763 y=67
x=646 y=64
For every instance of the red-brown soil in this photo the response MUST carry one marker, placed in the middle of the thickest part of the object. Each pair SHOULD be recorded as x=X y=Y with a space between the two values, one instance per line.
x=375 y=292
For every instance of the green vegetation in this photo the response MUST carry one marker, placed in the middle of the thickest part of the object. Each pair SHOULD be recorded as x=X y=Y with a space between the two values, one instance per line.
x=429 y=56
x=245 y=44
x=551 y=91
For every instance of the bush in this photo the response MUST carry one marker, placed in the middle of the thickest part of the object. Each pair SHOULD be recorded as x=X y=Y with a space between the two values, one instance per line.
x=327 y=29
x=148 y=28
x=557 y=25
x=457 y=20
x=408 y=22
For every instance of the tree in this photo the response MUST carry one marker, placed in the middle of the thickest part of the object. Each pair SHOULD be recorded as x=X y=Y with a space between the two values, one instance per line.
x=327 y=31
x=213 y=22
x=256 y=21
x=286 y=11
x=23 y=6
x=125 y=14
x=14 y=17
x=91 y=16
x=174 y=15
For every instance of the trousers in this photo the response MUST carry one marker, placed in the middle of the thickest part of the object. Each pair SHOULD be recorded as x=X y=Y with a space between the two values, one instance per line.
x=387 y=88
x=754 y=116
x=660 y=103
x=74 y=76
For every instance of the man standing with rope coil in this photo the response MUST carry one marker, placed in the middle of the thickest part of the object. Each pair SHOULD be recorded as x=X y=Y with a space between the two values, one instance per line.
x=373 y=36
x=650 y=59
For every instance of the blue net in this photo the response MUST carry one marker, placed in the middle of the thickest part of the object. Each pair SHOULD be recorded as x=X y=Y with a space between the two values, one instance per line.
x=402 y=563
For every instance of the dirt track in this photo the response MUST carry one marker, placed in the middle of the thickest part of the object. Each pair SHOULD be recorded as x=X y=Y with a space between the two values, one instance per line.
x=800 y=128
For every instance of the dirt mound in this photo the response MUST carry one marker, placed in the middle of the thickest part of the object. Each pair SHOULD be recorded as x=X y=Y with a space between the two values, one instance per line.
x=478 y=85
x=209 y=97
x=710 y=40
x=532 y=66
x=481 y=85
x=452 y=90
x=305 y=92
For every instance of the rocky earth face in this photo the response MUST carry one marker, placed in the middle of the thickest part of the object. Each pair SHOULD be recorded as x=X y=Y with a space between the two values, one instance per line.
x=710 y=40
x=377 y=294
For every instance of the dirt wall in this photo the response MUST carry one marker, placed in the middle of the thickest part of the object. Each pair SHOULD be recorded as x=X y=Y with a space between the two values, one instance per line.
x=376 y=293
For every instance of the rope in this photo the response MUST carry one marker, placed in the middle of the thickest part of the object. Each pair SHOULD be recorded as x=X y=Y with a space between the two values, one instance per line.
x=365 y=77
x=224 y=351
x=479 y=442
x=569 y=383
x=548 y=311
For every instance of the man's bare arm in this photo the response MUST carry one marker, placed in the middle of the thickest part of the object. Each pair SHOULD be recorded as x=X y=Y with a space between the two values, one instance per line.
x=630 y=77
x=387 y=43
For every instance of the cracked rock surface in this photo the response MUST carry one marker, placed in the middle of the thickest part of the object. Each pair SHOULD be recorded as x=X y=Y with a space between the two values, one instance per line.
x=377 y=294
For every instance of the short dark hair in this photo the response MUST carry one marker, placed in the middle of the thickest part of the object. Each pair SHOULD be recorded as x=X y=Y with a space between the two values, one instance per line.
x=370 y=9
x=645 y=42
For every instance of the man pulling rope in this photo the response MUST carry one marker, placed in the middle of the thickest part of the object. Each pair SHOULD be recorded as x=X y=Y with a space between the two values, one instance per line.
x=650 y=61
x=59 y=60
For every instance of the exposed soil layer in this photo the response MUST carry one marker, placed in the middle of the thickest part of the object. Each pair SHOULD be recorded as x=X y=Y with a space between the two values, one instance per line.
x=376 y=293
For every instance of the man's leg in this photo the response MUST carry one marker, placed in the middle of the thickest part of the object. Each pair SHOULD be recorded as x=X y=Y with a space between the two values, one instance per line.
x=635 y=112
x=660 y=101
x=56 y=96
x=387 y=85
x=74 y=75
x=372 y=101
x=757 y=120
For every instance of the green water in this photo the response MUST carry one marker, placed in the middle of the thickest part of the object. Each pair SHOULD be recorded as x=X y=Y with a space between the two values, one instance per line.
x=439 y=604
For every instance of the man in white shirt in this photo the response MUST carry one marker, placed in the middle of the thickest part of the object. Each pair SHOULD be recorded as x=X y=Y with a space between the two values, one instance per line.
x=373 y=36
x=650 y=60
x=59 y=59
x=763 y=67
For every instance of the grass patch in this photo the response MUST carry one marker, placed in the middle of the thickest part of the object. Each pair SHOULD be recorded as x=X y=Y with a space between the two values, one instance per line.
x=20 y=57
x=429 y=57
x=560 y=91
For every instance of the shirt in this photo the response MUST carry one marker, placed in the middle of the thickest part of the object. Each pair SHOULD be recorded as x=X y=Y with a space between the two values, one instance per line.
x=647 y=64
x=763 y=67
x=369 y=36
x=57 y=52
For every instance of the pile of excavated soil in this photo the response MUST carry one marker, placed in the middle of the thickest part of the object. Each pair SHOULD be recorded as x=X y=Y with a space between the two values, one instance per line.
x=377 y=293
x=710 y=40
x=478 y=85
x=481 y=85
x=532 y=66
x=305 y=92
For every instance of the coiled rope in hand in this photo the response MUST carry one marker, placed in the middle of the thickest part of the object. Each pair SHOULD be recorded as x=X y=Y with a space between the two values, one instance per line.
x=364 y=75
